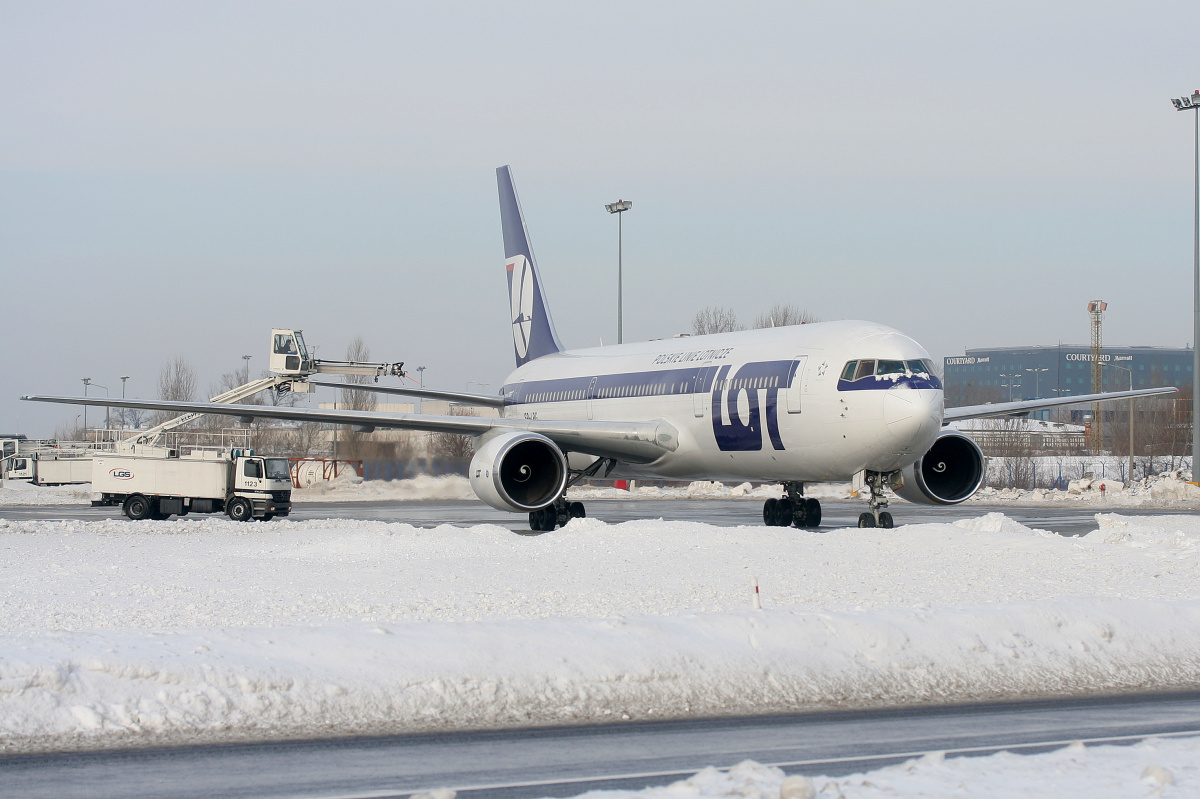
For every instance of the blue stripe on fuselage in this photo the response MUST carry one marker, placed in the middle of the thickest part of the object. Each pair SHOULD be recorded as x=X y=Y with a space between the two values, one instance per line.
x=658 y=383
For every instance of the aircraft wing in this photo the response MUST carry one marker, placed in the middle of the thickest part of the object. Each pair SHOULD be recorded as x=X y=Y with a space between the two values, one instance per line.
x=1024 y=406
x=633 y=442
x=482 y=400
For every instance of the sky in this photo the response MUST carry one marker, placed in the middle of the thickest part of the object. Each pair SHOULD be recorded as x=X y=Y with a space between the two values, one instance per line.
x=179 y=178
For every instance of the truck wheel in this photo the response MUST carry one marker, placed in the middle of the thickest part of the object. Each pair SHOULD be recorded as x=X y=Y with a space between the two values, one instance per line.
x=266 y=517
x=240 y=510
x=137 y=507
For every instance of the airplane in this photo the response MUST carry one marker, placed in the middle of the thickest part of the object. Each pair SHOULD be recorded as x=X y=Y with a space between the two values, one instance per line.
x=819 y=402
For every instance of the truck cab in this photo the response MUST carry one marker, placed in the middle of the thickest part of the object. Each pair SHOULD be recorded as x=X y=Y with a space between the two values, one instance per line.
x=264 y=483
x=18 y=467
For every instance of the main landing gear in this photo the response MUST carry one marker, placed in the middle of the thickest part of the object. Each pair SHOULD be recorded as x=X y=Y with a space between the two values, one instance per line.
x=876 y=517
x=793 y=509
x=560 y=511
x=544 y=520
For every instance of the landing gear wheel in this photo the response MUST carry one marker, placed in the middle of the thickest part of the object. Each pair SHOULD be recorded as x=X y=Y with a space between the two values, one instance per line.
x=812 y=513
x=866 y=520
x=577 y=511
x=885 y=520
x=137 y=507
x=240 y=509
x=543 y=520
x=784 y=513
x=769 y=512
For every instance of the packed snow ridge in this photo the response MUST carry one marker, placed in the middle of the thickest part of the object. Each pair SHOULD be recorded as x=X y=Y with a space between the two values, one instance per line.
x=133 y=633
x=1157 y=767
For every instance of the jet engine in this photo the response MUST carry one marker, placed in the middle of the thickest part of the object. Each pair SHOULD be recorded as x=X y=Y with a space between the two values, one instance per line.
x=950 y=472
x=518 y=471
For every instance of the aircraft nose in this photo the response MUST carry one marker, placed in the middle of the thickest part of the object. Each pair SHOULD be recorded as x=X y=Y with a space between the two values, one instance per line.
x=912 y=413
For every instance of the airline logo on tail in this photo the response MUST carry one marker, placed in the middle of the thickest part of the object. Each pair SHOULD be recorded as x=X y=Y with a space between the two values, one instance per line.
x=520 y=290
x=533 y=329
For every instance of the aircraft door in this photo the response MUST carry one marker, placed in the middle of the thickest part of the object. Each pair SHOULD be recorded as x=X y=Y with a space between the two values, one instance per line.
x=794 y=388
x=591 y=395
x=700 y=391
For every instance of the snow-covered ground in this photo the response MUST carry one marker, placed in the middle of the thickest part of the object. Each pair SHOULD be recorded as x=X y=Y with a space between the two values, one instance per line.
x=1168 y=490
x=116 y=632
x=1158 y=767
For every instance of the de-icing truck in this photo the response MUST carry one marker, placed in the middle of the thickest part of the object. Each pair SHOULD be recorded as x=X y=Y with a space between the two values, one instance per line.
x=154 y=483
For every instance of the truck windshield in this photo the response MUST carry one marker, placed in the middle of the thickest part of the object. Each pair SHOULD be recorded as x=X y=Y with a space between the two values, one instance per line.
x=277 y=469
x=300 y=345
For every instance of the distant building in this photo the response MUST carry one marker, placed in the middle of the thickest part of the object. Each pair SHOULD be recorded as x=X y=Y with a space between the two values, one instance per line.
x=998 y=374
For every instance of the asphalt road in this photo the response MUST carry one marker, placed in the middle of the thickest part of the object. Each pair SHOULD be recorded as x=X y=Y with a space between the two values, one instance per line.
x=570 y=761
x=1075 y=520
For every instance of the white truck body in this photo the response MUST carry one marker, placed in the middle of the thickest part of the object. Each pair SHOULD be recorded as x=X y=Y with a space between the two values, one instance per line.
x=157 y=482
x=47 y=468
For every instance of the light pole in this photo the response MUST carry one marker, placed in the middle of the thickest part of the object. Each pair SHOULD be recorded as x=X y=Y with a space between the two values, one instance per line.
x=1192 y=104
x=619 y=208
x=421 y=380
x=1010 y=385
x=1037 y=381
x=123 y=379
x=87 y=381
x=246 y=368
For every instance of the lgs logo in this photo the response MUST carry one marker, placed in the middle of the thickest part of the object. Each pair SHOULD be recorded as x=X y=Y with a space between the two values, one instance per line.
x=121 y=474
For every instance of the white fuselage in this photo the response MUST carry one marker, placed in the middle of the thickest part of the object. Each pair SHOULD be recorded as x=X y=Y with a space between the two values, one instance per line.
x=769 y=404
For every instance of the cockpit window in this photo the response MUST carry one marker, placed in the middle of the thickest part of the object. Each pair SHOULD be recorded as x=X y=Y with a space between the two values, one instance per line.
x=857 y=370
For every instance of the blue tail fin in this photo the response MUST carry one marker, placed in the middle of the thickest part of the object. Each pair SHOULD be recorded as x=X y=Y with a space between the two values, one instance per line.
x=533 y=329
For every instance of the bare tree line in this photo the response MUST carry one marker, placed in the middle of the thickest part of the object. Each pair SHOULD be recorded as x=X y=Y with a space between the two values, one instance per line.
x=717 y=319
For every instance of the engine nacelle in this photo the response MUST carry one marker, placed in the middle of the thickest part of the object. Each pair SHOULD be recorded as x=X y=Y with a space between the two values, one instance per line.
x=518 y=471
x=950 y=472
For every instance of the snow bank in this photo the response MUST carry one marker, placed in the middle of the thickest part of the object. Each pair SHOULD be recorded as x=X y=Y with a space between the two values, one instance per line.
x=1170 y=489
x=141 y=686
x=1156 y=767
x=16 y=492
x=349 y=487
x=118 y=632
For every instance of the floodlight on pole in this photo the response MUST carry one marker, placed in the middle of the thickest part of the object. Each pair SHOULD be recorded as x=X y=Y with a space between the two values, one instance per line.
x=1193 y=104
x=1011 y=378
x=619 y=208
x=87 y=381
x=1037 y=381
x=123 y=379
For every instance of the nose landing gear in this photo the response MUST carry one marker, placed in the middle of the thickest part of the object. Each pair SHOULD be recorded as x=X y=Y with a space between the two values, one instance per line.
x=877 y=517
x=793 y=509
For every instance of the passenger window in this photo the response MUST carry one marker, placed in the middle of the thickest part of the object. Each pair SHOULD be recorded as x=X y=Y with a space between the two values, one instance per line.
x=252 y=469
x=865 y=369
